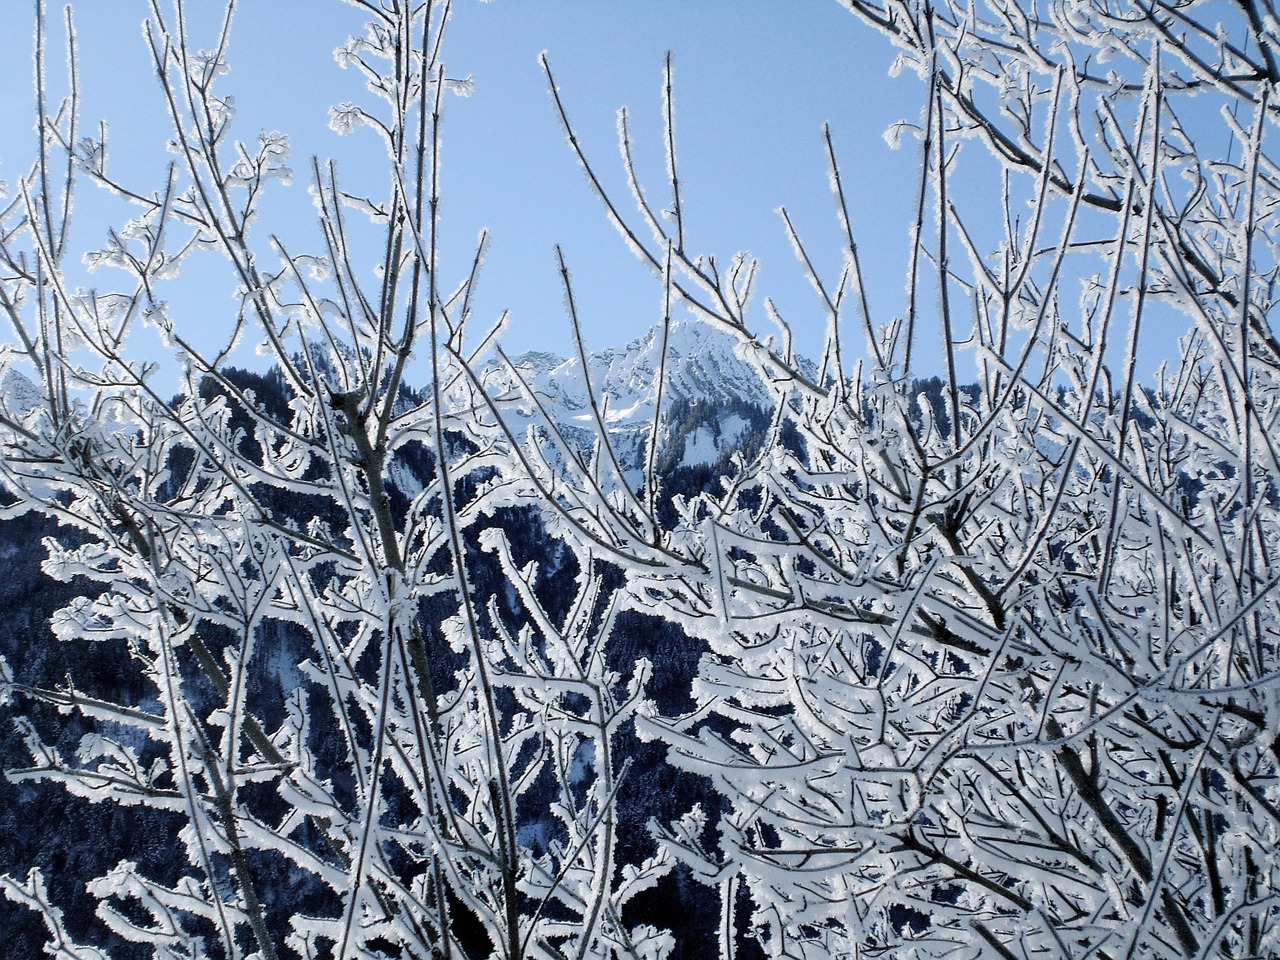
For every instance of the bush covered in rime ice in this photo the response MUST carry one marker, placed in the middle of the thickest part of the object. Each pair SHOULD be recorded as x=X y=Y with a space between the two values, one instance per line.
x=411 y=648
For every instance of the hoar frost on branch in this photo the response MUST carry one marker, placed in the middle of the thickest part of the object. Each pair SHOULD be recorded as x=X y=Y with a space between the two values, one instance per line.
x=334 y=510
x=991 y=663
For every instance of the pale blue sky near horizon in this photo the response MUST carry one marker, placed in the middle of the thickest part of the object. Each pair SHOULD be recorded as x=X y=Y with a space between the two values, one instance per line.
x=755 y=81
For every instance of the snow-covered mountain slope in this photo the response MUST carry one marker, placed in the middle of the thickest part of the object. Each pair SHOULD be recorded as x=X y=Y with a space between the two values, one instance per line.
x=18 y=393
x=703 y=378
x=712 y=399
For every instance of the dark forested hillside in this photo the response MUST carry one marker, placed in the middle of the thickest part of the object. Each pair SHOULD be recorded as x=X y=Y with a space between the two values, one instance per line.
x=73 y=840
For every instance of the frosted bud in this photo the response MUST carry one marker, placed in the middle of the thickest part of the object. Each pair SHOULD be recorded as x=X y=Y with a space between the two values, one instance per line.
x=461 y=88
x=893 y=135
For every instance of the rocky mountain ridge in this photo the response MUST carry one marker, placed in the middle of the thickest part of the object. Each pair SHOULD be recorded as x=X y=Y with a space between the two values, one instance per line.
x=711 y=397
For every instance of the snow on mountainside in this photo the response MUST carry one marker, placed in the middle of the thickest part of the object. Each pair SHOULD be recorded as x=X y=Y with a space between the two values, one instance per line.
x=704 y=378
x=712 y=399
x=18 y=394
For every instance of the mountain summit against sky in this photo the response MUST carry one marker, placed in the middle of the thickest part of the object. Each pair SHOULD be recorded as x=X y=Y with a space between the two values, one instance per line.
x=702 y=364
x=702 y=371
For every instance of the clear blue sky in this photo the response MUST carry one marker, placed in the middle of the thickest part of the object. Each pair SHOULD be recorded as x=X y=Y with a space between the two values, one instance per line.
x=756 y=79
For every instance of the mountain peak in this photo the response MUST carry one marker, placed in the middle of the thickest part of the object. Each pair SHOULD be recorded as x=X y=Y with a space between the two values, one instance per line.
x=702 y=369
